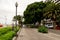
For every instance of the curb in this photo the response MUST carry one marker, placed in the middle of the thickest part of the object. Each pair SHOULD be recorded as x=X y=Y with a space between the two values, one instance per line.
x=15 y=37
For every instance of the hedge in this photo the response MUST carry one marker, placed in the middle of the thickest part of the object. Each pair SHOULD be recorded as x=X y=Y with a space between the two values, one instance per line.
x=7 y=33
x=4 y=30
x=8 y=36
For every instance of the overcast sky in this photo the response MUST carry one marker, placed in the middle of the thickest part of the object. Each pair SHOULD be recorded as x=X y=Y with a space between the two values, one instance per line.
x=7 y=9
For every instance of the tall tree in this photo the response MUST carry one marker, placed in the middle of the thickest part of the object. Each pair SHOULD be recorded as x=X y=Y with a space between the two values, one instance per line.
x=40 y=10
x=18 y=18
x=34 y=12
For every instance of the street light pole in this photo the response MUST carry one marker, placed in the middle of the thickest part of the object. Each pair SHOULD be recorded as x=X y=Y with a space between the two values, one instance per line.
x=16 y=5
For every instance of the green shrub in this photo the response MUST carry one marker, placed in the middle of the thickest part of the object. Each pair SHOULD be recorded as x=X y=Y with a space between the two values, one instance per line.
x=43 y=29
x=8 y=36
x=16 y=29
x=7 y=33
x=4 y=30
x=32 y=26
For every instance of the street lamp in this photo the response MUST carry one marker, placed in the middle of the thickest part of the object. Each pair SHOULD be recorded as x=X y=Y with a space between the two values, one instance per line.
x=16 y=5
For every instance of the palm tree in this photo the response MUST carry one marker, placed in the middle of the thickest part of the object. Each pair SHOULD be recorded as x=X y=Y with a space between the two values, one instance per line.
x=18 y=18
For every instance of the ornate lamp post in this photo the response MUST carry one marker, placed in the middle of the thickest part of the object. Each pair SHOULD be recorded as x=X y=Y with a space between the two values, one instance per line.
x=16 y=5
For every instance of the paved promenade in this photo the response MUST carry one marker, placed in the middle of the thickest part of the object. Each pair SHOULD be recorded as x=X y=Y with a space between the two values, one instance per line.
x=33 y=34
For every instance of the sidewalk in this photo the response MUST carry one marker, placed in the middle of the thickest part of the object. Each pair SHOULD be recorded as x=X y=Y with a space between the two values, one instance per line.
x=33 y=34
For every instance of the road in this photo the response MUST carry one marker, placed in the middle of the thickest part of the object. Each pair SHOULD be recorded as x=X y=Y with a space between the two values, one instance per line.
x=54 y=31
x=33 y=34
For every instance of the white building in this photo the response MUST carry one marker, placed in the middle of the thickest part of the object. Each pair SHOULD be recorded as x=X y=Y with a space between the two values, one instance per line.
x=56 y=1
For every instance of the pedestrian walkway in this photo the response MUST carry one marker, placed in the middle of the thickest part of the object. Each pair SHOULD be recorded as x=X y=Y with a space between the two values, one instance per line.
x=33 y=34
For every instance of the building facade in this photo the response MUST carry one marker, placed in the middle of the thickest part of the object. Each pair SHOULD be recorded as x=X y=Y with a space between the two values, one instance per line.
x=56 y=1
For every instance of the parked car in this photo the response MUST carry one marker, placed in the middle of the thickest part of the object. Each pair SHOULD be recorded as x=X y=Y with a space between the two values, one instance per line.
x=49 y=25
x=58 y=27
